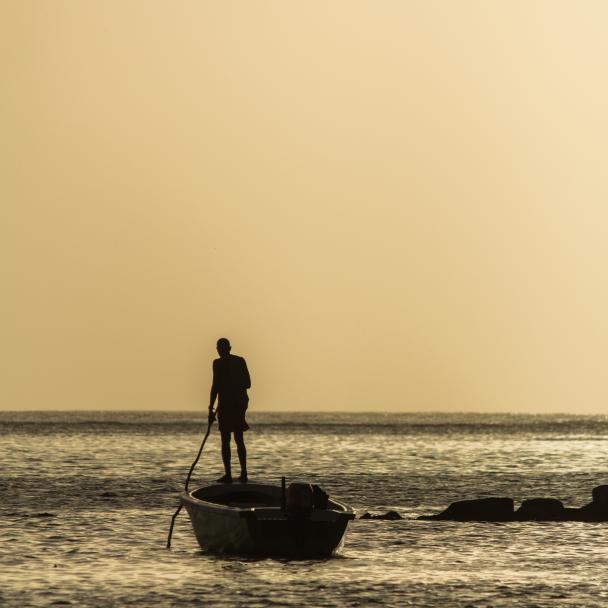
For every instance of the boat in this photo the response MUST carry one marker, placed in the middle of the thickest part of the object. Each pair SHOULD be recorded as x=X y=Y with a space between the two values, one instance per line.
x=263 y=519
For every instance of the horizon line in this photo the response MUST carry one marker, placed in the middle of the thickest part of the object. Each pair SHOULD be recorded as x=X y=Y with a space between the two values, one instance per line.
x=313 y=411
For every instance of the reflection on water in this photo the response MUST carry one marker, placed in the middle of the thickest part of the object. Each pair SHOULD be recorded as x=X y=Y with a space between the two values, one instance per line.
x=87 y=500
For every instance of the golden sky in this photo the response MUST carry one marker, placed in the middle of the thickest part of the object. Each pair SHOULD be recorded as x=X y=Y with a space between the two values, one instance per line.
x=385 y=205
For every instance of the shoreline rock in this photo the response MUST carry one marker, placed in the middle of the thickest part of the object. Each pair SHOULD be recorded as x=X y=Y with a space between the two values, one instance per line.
x=540 y=509
x=478 y=509
x=501 y=509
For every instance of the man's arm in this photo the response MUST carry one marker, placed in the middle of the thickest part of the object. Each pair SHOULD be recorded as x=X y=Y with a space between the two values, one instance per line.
x=213 y=395
x=246 y=376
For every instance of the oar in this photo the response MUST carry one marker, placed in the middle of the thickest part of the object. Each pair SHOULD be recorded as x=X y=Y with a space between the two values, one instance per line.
x=200 y=451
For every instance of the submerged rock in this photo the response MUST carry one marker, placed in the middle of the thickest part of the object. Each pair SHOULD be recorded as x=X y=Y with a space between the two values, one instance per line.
x=389 y=515
x=480 y=509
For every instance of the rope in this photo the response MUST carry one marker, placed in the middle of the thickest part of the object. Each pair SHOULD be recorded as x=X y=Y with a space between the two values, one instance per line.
x=200 y=451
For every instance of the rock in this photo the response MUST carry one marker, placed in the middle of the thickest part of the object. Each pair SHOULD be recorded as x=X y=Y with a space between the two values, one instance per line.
x=540 y=509
x=389 y=516
x=480 y=509
x=572 y=514
x=593 y=512
x=535 y=509
x=598 y=509
x=600 y=495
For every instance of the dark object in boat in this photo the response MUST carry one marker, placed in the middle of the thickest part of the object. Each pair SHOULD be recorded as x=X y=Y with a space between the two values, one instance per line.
x=303 y=497
x=244 y=519
x=388 y=516
x=299 y=498
x=320 y=498
x=536 y=509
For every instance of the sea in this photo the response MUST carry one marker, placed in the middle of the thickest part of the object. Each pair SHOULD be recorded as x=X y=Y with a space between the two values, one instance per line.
x=87 y=499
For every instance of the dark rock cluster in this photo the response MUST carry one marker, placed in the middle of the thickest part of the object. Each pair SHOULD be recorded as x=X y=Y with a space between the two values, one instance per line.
x=535 y=509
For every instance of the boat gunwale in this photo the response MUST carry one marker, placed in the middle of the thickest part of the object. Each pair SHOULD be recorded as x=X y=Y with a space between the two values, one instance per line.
x=189 y=498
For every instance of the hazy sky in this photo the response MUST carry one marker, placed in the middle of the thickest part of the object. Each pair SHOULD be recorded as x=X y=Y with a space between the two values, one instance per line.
x=384 y=205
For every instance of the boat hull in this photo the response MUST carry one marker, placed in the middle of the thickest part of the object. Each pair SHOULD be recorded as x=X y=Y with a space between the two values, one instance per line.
x=266 y=530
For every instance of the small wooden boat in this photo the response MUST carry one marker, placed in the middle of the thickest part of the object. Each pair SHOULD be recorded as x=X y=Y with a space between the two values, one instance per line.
x=253 y=518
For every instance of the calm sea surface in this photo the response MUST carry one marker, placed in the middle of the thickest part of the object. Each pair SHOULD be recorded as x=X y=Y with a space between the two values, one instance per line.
x=87 y=500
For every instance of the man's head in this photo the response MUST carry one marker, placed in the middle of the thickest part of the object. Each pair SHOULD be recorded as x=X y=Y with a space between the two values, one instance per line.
x=223 y=347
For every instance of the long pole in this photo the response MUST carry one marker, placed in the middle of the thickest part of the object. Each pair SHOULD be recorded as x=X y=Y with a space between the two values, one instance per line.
x=200 y=451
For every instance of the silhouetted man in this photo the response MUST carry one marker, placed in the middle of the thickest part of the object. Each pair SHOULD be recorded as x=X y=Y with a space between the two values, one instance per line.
x=230 y=383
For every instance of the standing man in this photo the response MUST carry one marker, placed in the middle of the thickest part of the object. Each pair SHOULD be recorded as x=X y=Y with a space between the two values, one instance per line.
x=230 y=383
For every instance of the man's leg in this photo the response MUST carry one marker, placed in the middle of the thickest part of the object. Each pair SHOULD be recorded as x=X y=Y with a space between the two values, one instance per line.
x=242 y=452
x=226 y=457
